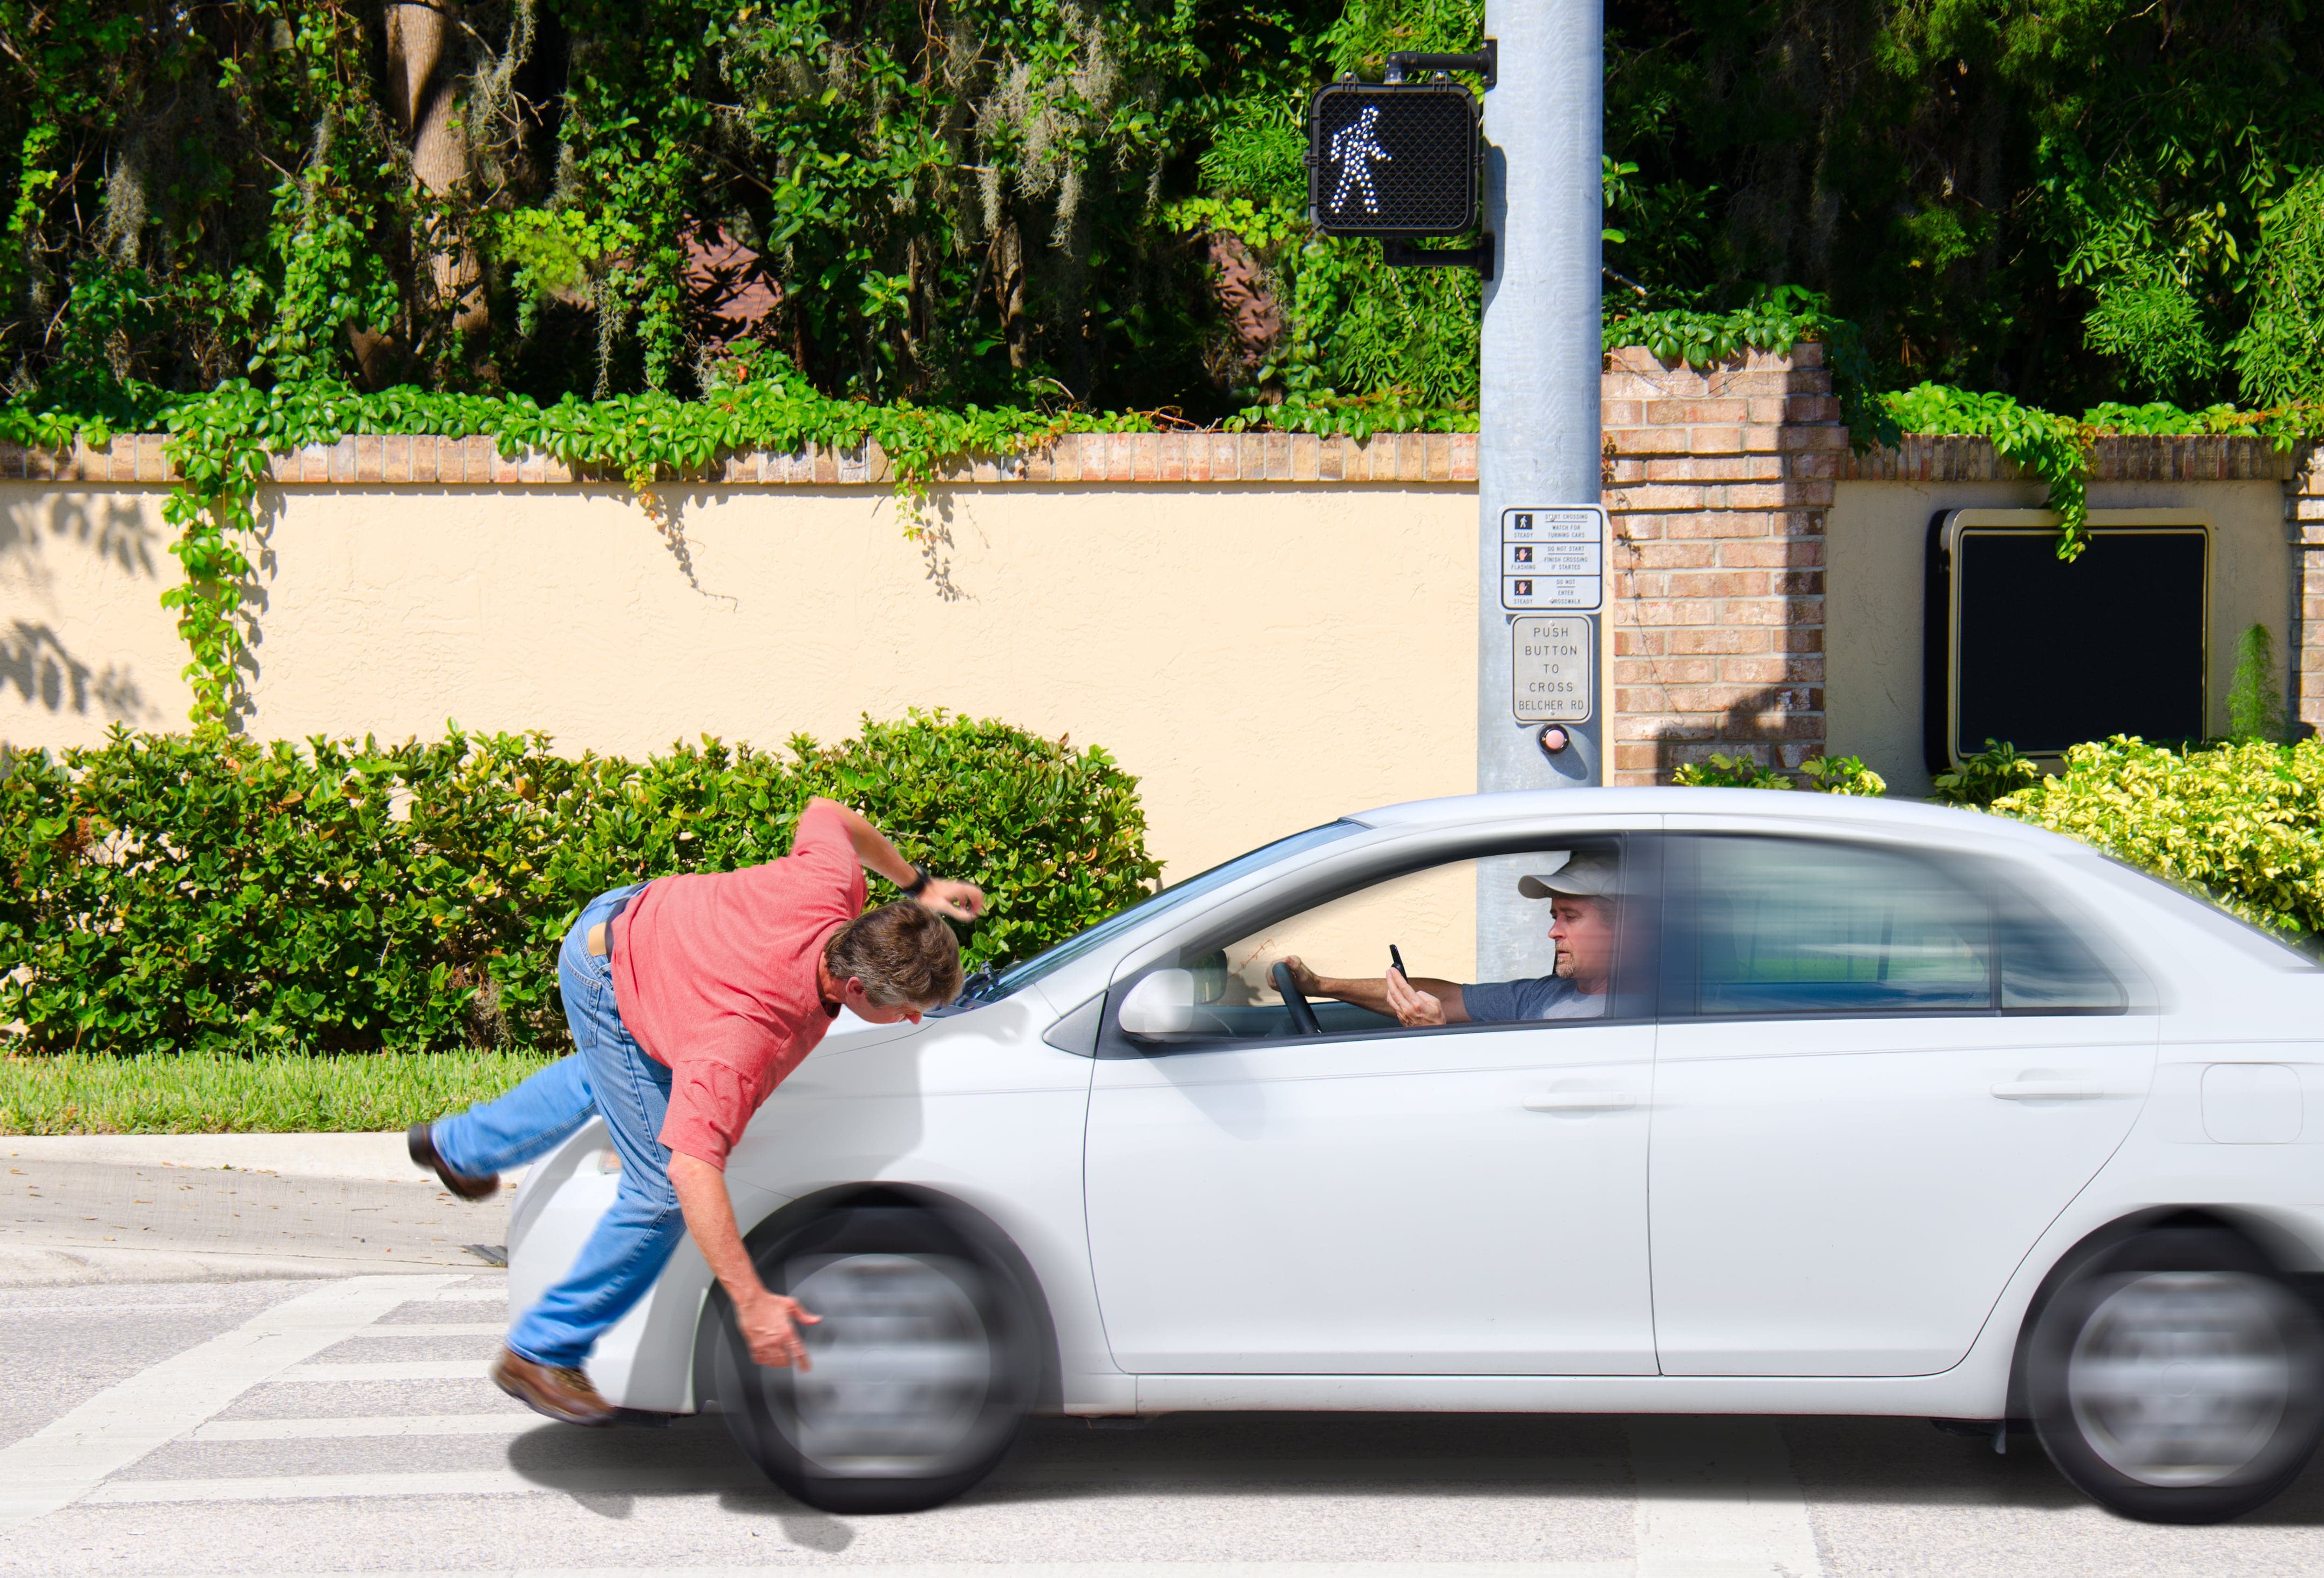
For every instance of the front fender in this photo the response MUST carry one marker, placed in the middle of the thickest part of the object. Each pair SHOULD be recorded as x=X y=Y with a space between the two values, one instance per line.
x=646 y=1361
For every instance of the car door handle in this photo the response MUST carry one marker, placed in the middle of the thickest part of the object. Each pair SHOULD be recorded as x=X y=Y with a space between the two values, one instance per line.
x=2047 y=1090
x=1581 y=1102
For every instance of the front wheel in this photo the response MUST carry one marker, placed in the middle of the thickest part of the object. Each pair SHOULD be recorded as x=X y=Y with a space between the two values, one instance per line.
x=925 y=1364
x=2178 y=1378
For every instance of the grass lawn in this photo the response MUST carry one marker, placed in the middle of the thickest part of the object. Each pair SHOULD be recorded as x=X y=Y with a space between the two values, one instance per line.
x=263 y=1093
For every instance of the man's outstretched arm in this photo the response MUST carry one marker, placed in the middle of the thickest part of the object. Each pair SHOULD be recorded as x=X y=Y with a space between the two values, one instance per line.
x=769 y=1320
x=1376 y=995
x=959 y=900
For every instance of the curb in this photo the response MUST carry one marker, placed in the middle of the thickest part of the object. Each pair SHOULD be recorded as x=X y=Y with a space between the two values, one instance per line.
x=379 y=1157
x=23 y=1265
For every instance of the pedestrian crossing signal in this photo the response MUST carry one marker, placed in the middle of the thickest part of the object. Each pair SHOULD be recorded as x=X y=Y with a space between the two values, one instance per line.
x=1393 y=160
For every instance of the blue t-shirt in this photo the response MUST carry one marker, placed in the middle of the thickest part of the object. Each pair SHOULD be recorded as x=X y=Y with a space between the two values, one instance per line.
x=1510 y=1003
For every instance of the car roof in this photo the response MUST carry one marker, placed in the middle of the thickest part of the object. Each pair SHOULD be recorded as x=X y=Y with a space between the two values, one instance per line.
x=1805 y=807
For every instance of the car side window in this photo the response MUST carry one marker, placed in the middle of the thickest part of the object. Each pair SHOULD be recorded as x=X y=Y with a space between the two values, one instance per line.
x=1337 y=958
x=1797 y=925
x=2046 y=969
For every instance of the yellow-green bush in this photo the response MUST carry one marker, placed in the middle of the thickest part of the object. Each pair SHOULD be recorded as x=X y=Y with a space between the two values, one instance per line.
x=2244 y=821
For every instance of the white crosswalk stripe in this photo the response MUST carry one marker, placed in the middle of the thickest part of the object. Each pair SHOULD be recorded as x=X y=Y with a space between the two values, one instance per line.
x=57 y=1465
x=1365 y=1569
x=1722 y=1504
x=364 y=1425
x=386 y=1369
x=462 y=1483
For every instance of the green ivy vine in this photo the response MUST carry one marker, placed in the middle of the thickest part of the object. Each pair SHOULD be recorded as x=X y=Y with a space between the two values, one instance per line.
x=221 y=445
x=2056 y=449
x=1776 y=319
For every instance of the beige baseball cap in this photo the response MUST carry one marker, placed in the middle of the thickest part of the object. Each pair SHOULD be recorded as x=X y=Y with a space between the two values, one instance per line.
x=1579 y=876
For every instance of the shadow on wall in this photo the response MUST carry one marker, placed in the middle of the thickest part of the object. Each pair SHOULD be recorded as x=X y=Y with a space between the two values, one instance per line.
x=115 y=527
x=35 y=663
x=1775 y=725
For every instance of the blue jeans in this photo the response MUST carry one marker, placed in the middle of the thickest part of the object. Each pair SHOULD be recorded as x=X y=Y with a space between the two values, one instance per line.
x=609 y=1077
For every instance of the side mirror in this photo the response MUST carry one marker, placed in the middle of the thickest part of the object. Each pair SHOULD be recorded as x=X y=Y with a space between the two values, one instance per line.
x=1161 y=1004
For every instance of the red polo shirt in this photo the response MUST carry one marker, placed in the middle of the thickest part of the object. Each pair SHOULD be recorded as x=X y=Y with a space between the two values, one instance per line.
x=714 y=974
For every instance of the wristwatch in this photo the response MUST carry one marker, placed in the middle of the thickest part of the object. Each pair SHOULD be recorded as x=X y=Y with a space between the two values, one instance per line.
x=920 y=880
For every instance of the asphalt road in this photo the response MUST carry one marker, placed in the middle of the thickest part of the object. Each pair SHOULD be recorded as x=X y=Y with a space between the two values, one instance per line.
x=341 y=1423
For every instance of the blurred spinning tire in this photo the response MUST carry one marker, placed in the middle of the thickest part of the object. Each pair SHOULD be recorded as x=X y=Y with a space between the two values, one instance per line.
x=925 y=1364
x=2178 y=1378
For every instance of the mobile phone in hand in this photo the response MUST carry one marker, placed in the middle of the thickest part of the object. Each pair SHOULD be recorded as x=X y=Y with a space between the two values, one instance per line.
x=1395 y=962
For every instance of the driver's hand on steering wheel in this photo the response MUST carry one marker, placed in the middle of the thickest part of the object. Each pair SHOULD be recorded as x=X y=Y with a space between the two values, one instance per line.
x=1412 y=1008
x=1303 y=977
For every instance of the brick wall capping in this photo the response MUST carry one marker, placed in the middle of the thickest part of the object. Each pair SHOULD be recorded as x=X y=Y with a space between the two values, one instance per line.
x=2157 y=457
x=1159 y=457
x=1202 y=456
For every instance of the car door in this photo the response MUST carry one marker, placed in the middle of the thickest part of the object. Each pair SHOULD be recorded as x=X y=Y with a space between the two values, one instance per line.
x=1373 y=1199
x=1882 y=1072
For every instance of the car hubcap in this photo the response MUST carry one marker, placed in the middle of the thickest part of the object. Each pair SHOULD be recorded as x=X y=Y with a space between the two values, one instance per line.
x=2182 y=1377
x=902 y=1364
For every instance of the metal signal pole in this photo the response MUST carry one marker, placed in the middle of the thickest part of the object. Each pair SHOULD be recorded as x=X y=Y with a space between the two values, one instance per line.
x=1542 y=654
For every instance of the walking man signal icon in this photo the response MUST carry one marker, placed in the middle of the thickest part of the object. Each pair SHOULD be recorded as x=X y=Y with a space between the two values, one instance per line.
x=1392 y=159
x=1355 y=150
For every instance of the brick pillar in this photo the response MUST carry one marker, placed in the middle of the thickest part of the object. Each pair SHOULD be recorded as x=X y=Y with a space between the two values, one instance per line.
x=2304 y=522
x=1718 y=483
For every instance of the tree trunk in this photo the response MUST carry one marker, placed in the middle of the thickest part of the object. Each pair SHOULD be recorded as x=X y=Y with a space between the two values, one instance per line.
x=419 y=94
x=1009 y=294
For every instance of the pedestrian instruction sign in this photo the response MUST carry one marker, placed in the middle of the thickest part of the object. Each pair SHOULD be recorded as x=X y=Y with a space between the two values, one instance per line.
x=1551 y=660
x=1552 y=558
x=1392 y=159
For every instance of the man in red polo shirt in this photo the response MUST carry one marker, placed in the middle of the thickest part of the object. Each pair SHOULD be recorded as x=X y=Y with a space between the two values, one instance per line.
x=691 y=998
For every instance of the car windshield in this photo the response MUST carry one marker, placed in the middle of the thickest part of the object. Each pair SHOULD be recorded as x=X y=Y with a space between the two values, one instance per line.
x=983 y=988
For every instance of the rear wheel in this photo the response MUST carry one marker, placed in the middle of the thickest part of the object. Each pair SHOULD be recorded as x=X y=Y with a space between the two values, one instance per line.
x=925 y=1364
x=2178 y=1378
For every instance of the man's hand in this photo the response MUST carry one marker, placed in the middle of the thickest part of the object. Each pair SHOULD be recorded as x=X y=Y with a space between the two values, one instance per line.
x=770 y=1322
x=1308 y=983
x=771 y=1325
x=1412 y=1007
x=958 y=901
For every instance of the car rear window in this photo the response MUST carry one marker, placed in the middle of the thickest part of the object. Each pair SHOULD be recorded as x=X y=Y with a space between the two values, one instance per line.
x=2274 y=949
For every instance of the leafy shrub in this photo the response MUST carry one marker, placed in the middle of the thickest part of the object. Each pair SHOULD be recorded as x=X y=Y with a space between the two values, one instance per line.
x=1831 y=775
x=1843 y=775
x=2147 y=317
x=168 y=893
x=2278 y=353
x=2240 y=821
x=1982 y=779
x=1719 y=771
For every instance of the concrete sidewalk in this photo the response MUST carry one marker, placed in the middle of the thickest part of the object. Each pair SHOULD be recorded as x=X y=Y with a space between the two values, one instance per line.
x=182 y=1207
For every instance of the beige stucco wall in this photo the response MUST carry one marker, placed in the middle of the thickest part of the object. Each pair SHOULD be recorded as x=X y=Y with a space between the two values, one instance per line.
x=1876 y=541
x=1264 y=657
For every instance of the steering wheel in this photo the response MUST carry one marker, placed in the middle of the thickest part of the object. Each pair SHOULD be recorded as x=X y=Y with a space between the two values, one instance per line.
x=1303 y=1018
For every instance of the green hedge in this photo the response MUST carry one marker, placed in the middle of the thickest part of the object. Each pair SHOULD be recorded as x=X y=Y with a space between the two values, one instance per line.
x=2242 y=821
x=168 y=893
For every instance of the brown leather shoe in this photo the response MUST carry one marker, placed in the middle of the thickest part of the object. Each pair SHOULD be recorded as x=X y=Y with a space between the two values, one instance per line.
x=564 y=1395
x=422 y=1144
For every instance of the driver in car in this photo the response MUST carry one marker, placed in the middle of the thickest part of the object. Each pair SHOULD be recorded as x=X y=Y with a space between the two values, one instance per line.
x=1582 y=891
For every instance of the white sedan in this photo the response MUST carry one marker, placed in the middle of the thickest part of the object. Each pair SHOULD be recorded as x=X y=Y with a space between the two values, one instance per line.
x=1814 y=1106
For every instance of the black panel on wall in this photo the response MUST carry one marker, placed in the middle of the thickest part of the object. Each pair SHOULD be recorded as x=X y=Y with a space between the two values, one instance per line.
x=2046 y=654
